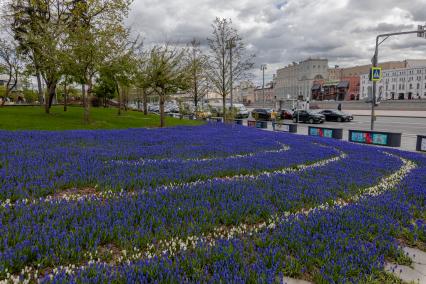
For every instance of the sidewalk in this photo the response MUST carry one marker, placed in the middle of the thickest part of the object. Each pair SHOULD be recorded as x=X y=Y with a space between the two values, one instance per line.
x=408 y=142
x=389 y=113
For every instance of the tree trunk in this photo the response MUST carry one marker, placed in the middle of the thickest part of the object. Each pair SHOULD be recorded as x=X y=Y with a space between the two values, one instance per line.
x=125 y=98
x=88 y=96
x=162 y=121
x=145 y=102
x=46 y=105
x=83 y=94
x=52 y=93
x=40 y=88
x=51 y=90
x=119 y=98
x=224 y=107
x=85 y=105
x=139 y=99
x=65 y=101
x=224 y=82
x=65 y=94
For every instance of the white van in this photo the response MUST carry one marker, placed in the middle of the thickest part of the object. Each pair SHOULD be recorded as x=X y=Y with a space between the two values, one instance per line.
x=242 y=111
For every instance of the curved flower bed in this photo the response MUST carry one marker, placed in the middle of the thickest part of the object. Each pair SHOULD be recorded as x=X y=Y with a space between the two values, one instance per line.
x=344 y=205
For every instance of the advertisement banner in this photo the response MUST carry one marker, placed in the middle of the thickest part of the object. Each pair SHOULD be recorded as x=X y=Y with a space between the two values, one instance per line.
x=358 y=137
x=370 y=138
x=380 y=139
x=314 y=131
x=328 y=133
x=423 y=145
x=282 y=127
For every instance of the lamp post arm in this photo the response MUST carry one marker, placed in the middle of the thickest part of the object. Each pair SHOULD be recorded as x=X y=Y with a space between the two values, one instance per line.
x=375 y=62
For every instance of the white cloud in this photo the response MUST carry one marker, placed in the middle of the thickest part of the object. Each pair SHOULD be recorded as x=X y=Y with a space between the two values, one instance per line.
x=282 y=31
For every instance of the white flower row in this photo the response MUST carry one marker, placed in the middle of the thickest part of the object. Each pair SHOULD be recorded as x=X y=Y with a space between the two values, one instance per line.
x=102 y=195
x=283 y=148
x=171 y=247
x=174 y=245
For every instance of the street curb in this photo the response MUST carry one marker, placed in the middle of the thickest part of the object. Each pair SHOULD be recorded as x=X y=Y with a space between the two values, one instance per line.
x=390 y=116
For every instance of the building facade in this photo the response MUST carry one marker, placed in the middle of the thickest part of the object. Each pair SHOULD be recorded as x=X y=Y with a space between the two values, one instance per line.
x=346 y=89
x=244 y=93
x=295 y=80
x=338 y=73
x=266 y=94
x=397 y=84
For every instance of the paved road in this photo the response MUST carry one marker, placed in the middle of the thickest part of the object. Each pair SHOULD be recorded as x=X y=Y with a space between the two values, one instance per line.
x=409 y=127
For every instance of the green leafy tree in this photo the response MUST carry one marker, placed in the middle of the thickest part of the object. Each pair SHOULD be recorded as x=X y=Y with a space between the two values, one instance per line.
x=30 y=96
x=94 y=28
x=142 y=81
x=167 y=73
x=10 y=64
x=40 y=27
x=105 y=87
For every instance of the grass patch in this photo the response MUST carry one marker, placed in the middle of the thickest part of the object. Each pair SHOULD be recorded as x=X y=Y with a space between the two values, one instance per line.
x=34 y=118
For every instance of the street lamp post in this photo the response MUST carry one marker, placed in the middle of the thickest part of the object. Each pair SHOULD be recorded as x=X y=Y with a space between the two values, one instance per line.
x=263 y=68
x=230 y=46
x=420 y=33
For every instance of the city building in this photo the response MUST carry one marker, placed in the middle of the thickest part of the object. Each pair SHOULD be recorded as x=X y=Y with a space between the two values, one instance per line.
x=244 y=93
x=398 y=84
x=344 y=83
x=346 y=89
x=264 y=95
x=338 y=73
x=295 y=80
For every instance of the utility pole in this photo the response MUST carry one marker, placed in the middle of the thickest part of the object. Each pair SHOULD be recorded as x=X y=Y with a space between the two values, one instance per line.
x=421 y=32
x=230 y=46
x=263 y=68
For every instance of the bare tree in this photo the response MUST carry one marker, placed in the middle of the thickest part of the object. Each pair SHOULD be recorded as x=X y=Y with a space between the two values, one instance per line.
x=197 y=64
x=10 y=64
x=229 y=60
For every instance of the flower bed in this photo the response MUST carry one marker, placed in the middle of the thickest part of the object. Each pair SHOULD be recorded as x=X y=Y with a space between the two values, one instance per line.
x=207 y=203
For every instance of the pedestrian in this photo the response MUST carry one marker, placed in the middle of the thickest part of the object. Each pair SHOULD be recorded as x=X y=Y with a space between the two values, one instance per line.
x=339 y=107
x=273 y=118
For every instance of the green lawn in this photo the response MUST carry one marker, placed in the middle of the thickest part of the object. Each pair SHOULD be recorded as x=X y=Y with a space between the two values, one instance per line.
x=34 y=118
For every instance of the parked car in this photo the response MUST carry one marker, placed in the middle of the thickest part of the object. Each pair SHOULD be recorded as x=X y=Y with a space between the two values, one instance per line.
x=336 y=115
x=203 y=114
x=261 y=114
x=308 y=116
x=285 y=114
x=242 y=111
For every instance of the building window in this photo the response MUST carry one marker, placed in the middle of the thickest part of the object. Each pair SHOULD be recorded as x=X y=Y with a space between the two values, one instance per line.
x=418 y=86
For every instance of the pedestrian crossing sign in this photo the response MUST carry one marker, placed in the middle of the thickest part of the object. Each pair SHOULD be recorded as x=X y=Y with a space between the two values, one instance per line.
x=376 y=74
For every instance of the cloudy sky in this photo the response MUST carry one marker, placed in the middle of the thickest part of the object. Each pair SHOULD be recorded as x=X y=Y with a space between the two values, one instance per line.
x=282 y=31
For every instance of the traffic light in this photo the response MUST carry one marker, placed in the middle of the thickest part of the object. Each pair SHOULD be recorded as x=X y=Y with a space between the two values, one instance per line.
x=421 y=31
